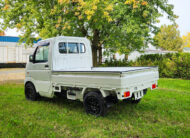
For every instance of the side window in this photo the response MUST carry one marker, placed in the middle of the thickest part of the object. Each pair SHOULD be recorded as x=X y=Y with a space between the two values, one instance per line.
x=62 y=47
x=73 y=48
x=82 y=48
x=41 y=54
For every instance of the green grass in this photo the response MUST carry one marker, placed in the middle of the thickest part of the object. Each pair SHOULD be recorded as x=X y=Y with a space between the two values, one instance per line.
x=164 y=112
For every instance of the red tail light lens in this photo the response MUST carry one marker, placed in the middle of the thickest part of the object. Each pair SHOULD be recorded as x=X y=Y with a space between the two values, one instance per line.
x=153 y=86
x=127 y=94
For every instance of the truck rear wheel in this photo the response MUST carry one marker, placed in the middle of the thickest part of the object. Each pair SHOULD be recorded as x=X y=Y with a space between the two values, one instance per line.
x=95 y=104
x=30 y=92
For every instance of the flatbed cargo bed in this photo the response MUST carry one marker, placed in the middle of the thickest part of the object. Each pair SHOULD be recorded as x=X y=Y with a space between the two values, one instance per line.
x=108 y=69
x=107 y=78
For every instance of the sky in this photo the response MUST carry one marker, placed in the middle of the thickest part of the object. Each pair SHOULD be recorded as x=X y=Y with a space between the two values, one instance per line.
x=181 y=9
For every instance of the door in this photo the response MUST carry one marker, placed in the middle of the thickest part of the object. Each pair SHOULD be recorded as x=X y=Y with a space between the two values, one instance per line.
x=40 y=71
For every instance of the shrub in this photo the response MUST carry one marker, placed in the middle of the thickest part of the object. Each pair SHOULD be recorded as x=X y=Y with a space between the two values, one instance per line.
x=175 y=65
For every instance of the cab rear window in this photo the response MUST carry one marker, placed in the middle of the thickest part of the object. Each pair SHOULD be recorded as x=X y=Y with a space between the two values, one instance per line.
x=71 y=48
x=62 y=47
x=82 y=48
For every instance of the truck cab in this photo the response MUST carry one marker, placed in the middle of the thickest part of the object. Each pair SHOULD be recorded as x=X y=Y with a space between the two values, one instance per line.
x=63 y=66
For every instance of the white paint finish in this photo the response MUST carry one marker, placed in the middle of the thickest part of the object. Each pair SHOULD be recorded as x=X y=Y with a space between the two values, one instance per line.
x=41 y=76
x=138 y=95
x=90 y=80
x=132 y=80
x=70 y=61
x=105 y=69
x=119 y=69
x=49 y=93
x=76 y=71
x=139 y=77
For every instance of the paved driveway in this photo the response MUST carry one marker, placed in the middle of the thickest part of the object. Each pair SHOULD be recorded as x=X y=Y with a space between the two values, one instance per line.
x=12 y=75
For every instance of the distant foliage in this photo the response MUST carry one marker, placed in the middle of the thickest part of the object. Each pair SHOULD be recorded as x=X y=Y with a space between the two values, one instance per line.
x=186 y=40
x=170 y=65
x=2 y=33
x=169 y=38
x=116 y=63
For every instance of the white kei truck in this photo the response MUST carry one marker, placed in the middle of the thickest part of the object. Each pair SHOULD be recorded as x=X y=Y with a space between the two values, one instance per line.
x=63 y=66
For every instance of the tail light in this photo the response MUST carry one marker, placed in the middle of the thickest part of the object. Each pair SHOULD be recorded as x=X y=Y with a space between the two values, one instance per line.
x=127 y=94
x=153 y=86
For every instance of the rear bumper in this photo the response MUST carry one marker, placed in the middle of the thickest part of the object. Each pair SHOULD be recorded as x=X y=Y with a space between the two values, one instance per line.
x=135 y=90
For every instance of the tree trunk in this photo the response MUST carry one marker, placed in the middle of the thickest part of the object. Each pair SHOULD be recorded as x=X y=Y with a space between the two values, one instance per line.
x=94 y=56
x=114 y=57
x=95 y=42
x=100 y=55
x=126 y=57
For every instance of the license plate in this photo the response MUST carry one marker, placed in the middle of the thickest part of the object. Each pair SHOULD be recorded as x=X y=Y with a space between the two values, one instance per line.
x=138 y=95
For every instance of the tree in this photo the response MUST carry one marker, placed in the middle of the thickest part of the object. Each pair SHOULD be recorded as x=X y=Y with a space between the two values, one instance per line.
x=169 y=38
x=186 y=40
x=120 y=25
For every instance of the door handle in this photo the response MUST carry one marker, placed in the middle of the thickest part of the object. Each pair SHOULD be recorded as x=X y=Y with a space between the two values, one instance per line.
x=46 y=66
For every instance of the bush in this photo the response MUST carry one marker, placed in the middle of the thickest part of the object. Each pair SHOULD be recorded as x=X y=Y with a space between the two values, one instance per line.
x=116 y=63
x=170 y=65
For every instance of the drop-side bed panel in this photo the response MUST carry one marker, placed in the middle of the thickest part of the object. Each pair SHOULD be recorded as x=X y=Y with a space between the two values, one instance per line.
x=106 y=78
x=87 y=79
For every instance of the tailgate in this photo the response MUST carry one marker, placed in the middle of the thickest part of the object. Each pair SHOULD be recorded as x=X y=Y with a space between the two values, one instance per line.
x=139 y=79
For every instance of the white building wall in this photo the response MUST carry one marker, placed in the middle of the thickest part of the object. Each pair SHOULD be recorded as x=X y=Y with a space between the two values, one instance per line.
x=186 y=50
x=132 y=56
x=11 y=52
x=135 y=55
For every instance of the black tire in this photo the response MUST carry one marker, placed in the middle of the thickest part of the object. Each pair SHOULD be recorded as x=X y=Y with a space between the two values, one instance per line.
x=95 y=104
x=30 y=92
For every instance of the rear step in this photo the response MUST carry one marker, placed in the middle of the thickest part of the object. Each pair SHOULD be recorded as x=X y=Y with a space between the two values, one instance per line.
x=71 y=95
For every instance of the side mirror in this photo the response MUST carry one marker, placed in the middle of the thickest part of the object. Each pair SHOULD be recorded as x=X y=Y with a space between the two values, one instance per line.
x=31 y=59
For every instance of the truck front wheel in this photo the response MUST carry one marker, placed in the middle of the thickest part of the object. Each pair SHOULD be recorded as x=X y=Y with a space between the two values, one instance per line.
x=30 y=92
x=95 y=104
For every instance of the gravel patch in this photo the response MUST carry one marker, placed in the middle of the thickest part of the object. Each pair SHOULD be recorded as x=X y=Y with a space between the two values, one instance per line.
x=12 y=75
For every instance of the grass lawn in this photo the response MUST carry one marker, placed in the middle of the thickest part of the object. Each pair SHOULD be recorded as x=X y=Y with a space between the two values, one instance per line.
x=164 y=112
